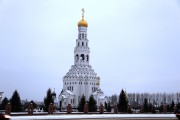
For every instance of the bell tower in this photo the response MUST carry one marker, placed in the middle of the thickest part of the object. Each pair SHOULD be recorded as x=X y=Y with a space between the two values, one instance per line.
x=81 y=79
x=82 y=51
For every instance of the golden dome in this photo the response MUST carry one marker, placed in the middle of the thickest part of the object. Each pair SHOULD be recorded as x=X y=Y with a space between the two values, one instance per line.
x=98 y=83
x=82 y=23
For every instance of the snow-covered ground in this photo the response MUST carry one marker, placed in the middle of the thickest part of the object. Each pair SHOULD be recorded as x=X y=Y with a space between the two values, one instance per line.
x=65 y=116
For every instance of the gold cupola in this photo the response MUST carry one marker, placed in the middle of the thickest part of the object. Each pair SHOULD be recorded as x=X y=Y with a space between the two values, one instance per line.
x=98 y=83
x=82 y=22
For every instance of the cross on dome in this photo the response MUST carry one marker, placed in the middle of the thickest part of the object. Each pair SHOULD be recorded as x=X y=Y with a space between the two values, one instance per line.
x=82 y=11
x=82 y=22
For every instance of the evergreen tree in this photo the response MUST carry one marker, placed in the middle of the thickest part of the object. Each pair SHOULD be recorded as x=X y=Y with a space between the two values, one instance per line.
x=15 y=102
x=4 y=103
x=48 y=99
x=105 y=105
x=146 y=108
x=81 y=104
x=123 y=102
x=92 y=104
x=109 y=107
x=161 y=108
x=172 y=106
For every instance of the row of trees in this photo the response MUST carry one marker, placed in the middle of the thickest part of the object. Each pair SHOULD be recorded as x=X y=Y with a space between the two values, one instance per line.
x=92 y=104
x=156 y=99
x=15 y=102
x=17 y=105
x=149 y=101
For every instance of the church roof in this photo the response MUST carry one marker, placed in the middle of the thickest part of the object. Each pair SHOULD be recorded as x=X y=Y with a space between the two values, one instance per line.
x=77 y=71
x=98 y=91
x=64 y=96
x=101 y=97
x=69 y=92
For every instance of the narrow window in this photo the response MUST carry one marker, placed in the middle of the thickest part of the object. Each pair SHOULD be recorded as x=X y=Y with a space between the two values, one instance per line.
x=87 y=58
x=82 y=43
x=85 y=36
x=82 y=35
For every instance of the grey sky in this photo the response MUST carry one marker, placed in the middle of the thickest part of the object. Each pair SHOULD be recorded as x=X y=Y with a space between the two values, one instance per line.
x=135 y=44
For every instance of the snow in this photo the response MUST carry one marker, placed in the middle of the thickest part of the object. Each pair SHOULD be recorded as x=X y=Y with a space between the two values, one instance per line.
x=69 y=92
x=65 y=116
x=64 y=96
x=101 y=97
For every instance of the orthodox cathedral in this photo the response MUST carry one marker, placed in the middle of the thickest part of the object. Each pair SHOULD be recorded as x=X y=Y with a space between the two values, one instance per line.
x=81 y=79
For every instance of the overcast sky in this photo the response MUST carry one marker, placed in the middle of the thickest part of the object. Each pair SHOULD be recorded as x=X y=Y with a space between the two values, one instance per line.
x=134 y=44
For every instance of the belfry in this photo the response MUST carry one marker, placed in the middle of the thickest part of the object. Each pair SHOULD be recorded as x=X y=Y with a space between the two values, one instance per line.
x=81 y=78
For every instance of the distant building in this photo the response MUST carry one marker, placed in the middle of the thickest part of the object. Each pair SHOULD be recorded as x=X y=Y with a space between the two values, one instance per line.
x=1 y=95
x=81 y=78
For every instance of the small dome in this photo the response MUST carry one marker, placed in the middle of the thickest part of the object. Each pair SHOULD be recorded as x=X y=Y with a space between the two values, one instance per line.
x=54 y=94
x=98 y=83
x=82 y=23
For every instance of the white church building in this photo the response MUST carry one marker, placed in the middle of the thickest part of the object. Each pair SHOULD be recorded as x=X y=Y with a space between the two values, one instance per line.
x=81 y=79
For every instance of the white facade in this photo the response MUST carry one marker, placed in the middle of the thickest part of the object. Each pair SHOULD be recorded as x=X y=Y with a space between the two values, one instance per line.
x=1 y=96
x=81 y=78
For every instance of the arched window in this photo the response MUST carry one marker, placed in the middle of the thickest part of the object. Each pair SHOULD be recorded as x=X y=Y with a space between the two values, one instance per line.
x=82 y=43
x=78 y=43
x=77 y=57
x=85 y=36
x=82 y=35
x=82 y=56
x=87 y=58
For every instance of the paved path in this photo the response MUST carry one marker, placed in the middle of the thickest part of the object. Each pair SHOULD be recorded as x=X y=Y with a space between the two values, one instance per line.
x=99 y=117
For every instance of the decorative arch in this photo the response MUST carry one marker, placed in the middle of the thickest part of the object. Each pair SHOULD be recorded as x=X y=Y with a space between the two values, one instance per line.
x=85 y=36
x=82 y=35
x=87 y=58
x=82 y=56
x=77 y=57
